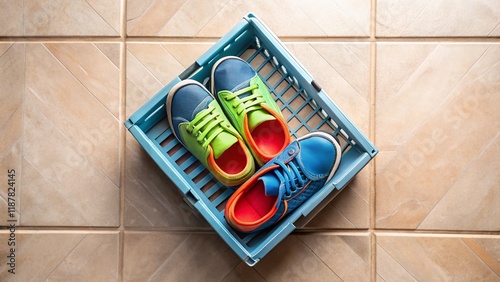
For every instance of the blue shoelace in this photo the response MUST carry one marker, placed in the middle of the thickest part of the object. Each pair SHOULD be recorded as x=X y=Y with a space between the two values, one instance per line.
x=290 y=175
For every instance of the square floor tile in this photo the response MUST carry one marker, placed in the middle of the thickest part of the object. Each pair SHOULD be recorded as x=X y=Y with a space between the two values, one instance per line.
x=62 y=134
x=438 y=129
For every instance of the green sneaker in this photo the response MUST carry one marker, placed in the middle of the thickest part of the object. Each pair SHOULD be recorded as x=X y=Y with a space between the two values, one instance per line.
x=199 y=123
x=250 y=107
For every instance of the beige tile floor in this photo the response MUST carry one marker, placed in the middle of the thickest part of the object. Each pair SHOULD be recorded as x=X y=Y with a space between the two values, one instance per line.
x=421 y=78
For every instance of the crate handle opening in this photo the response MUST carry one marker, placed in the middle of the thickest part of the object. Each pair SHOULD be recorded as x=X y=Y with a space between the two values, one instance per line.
x=189 y=71
x=190 y=199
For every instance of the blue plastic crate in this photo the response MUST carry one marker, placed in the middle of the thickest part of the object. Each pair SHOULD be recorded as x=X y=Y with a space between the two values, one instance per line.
x=306 y=108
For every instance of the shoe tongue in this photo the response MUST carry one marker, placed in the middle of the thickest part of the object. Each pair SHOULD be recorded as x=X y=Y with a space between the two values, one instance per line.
x=222 y=142
x=271 y=184
x=256 y=116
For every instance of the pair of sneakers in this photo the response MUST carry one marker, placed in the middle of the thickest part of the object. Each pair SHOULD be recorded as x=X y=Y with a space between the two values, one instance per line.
x=242 y=120
x=229 y=129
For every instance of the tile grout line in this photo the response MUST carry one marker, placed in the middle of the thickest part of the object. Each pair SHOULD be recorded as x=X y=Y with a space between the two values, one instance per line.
x=345 y=232
x=372 y=99
x=23 y=120
x=61 y=39
x=122 y=131
x=441 y=39
x=285 y=39
x=438 y=233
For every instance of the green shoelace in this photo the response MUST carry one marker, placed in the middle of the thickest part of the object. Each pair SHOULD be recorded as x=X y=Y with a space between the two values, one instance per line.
x=248 y=103
x=206 y=126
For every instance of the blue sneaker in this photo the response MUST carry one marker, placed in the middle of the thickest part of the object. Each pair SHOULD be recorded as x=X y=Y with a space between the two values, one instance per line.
x=284 y=183
x=199 y=123
x=250 y=107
